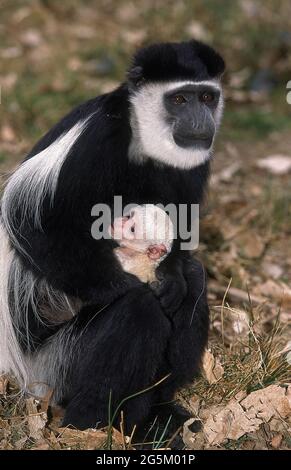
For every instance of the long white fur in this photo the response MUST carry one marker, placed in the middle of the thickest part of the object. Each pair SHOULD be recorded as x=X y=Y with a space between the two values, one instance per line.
x=11 y=356
x=35 y=179
x=26 y=291
x=153 y=135
x=19 y=289
x=49 y=366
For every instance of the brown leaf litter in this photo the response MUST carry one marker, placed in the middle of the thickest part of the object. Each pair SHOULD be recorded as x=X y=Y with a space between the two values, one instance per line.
x=244 y=416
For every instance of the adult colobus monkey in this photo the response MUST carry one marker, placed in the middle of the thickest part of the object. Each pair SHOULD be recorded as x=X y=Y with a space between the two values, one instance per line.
x=150 y=141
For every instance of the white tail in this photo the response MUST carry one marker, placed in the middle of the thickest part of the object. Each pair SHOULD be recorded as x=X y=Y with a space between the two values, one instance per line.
x=11 y=357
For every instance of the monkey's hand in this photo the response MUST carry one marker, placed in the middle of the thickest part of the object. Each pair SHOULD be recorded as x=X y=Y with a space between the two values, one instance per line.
x=172 y=287
x=109 y=290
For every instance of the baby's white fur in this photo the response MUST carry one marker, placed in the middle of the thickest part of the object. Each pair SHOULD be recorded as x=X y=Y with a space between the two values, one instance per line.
x=154 y=227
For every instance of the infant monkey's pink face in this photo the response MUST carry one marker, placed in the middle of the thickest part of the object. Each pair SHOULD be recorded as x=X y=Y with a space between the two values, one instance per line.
x=129 y=232
x=125 y=228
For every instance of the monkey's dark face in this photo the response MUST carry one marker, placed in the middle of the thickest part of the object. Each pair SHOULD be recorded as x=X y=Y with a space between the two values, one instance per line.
x=175 y=122
x=191 y=114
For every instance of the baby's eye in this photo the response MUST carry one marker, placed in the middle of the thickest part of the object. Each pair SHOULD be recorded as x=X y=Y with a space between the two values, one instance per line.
x=132 y=229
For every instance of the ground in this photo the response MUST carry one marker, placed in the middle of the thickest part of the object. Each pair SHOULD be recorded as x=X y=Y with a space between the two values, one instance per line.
x=54 y=55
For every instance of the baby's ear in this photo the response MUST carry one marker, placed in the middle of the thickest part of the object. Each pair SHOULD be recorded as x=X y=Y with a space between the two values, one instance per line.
x=156 y=252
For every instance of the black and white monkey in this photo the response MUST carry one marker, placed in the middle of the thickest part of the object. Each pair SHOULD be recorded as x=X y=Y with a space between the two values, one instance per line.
x=150 y=141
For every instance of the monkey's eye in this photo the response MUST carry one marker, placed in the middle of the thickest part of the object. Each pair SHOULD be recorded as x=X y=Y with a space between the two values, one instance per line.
x=132 y=229
x=207 y=97
x=178 y=99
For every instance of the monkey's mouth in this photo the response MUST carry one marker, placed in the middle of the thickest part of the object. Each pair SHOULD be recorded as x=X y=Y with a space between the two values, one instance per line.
x=193 y=141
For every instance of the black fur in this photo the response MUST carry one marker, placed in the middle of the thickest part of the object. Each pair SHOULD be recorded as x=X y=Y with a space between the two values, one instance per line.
x=97 y=169
x=143 y=335
x=113 y=355
x=191 y=60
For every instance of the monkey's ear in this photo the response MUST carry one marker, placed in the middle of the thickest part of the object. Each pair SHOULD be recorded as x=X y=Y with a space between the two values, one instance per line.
x=135 y=77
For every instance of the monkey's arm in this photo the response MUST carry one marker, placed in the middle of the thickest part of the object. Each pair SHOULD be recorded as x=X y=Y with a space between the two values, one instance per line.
x=172 y=287
x=78 y=265
x=63 y=251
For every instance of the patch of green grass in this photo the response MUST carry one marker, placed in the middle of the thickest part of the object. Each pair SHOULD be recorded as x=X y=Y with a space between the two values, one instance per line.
x=40 y=105
x=275 y=204
x=3 y=157
x=236 y=445
x=253 y=123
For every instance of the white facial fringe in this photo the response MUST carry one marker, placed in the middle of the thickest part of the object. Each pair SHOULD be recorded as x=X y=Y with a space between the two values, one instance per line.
x=153 y=135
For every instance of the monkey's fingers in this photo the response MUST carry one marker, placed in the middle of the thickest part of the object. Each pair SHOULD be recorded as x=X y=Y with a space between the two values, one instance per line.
x=171 y=293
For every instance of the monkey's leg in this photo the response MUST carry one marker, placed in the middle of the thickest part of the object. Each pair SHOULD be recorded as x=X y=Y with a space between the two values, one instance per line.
x=189 y=331
x=118 y=355
x=83 y=267
x=185 y=348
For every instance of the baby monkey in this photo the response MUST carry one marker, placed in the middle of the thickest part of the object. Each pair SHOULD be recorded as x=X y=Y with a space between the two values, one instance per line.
x=145 y=237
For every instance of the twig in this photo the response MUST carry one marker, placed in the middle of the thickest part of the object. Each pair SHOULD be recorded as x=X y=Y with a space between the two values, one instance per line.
x=222 y=310
x=132 y=434
x=236 y=294
x=174 y=436
x=122 y=429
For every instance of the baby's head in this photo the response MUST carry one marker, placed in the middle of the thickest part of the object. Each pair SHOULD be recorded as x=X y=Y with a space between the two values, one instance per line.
x=146 y=229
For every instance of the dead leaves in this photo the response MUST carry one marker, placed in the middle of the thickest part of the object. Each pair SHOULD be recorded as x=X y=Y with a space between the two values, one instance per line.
x=276 y=441
x=197 y=30
x=29 y=423
x=31 y=38
x=36 y=419
x=3 y=384
x=240 y=322
x=7 y=134
x=251 y=244
x=212 y=368
x=264 y=404
x=226 y=174
x=246 y=236
x=244 y=415
x=230 y=423
x=276 y=164
x=90 y=439
x=275 y=290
